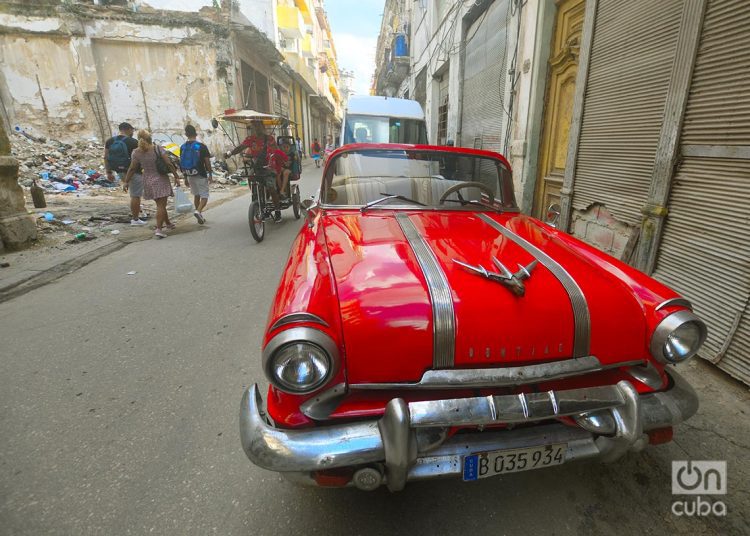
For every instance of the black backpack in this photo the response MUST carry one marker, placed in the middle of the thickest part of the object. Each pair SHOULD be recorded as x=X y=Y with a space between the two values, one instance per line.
x=118 y=156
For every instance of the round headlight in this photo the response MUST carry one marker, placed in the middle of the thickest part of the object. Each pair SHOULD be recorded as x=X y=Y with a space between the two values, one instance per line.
x=682 y=342
x=300 y=367
x=678 y=337
x=300 y=360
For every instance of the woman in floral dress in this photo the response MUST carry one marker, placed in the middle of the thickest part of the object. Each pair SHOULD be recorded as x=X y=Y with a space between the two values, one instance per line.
x=156 y=186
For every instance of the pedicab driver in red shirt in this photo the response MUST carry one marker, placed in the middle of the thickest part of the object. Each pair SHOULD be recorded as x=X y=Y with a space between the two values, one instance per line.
x=253 y=148
x=253 y=144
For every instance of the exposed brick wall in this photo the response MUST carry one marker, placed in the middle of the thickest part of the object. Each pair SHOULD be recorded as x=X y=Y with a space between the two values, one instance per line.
x=597 y=226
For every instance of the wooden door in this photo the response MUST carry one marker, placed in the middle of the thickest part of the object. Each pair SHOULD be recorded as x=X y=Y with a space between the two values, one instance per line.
x=558 y=103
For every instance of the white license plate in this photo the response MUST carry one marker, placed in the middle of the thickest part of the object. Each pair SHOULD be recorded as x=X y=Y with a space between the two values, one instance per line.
x=498 y=462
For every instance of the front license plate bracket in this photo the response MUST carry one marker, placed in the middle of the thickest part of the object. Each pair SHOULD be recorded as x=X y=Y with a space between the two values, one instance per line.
x=498 y=462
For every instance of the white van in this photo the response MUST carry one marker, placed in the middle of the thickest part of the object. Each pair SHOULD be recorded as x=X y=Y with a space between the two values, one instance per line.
x=370 y=119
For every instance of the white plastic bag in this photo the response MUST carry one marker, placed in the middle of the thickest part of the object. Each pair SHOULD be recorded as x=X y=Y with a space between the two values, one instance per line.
x=182 y=204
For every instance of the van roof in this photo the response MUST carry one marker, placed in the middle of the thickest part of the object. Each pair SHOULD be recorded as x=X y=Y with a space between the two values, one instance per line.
x=385 y=106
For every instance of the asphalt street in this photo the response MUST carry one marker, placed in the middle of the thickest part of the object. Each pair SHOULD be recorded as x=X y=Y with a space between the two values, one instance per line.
x=119 y=399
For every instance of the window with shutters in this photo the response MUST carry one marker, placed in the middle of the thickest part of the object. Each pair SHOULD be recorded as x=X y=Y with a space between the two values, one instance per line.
x=280 y=101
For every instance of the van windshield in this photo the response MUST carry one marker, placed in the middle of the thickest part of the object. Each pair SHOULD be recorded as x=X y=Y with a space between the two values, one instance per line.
x=383 y=129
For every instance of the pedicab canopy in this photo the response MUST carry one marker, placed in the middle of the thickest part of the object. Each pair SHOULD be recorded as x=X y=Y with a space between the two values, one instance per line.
x=246 y=117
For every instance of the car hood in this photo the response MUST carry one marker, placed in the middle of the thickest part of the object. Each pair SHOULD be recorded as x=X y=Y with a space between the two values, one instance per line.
x=384 y=265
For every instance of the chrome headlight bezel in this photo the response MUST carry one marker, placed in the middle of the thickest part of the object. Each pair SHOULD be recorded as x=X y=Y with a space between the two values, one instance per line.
x=668 y=326
x=304 y=335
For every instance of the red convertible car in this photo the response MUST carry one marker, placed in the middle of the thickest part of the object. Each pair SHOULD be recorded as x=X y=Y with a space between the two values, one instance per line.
x=423 y=327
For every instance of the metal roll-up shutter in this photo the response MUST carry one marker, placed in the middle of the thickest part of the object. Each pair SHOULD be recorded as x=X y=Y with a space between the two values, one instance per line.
x=705 y=248
x=736 y=361
x=629 y=72
x=484 y=79
x=718 y=109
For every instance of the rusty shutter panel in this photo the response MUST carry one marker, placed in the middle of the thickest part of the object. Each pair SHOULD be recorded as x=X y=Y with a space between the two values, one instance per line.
x=631 y=60
x=484 y=79
x=705 y=248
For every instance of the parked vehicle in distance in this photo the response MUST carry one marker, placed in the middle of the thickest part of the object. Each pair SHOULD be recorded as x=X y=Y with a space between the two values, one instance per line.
x=372 y=119
x=423 y=327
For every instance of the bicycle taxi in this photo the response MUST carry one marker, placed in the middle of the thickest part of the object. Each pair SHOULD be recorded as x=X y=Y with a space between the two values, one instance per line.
x=257 y=167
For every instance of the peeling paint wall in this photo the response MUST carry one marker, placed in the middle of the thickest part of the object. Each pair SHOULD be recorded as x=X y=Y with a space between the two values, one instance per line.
x=158 y=75
x=38 y=73
x=158 y=86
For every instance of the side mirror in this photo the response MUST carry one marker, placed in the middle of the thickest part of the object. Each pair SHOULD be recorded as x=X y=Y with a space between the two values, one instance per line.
x=553 y=214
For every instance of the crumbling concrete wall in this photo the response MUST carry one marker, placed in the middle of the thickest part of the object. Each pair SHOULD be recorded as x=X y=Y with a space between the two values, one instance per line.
x=598 y=226
x=78 y=75
x=42 y=92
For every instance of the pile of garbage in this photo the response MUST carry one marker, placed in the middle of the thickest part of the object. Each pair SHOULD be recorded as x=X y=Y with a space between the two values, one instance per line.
x=79 y=167
x=60 y=167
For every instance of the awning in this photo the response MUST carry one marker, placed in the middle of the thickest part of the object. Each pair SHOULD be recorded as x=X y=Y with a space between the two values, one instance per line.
x=249 y=116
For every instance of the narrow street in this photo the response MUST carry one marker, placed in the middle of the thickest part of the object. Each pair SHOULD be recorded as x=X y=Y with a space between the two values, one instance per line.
x=120 y=397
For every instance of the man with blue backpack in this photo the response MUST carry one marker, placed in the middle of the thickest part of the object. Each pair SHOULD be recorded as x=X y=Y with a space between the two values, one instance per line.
x=117 y=151
x=195 y=161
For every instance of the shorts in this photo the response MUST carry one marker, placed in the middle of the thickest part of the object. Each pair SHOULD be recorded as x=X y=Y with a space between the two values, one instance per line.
x=199 y=185
x=135 y=186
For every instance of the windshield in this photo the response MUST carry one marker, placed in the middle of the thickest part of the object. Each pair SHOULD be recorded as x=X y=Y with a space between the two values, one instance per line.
x=431 y=178
x=377 y=129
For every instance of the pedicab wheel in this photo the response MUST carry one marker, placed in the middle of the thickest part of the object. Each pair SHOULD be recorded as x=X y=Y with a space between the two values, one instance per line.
x=255 y=219
x=295 y=203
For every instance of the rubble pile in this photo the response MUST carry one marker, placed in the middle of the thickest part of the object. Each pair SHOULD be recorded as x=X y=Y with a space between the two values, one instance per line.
x=78 y=202
x=60 y=167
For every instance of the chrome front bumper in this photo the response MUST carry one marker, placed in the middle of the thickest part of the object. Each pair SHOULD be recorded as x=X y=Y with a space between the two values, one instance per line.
x=409 y=441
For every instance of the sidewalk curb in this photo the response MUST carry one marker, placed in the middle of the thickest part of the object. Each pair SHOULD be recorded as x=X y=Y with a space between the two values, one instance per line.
x=18 y=288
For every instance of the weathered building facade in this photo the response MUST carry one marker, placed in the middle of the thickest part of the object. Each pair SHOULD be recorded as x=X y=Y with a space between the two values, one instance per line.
x=75 y=70
x=631 y=115
x=392 y=50
x=306 y=40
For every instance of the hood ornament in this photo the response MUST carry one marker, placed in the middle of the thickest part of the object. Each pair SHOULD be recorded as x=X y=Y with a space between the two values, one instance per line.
x=514 y=281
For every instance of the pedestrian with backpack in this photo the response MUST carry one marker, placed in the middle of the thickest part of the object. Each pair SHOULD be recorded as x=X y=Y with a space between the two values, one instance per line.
x=117 y=154
x=195 y=161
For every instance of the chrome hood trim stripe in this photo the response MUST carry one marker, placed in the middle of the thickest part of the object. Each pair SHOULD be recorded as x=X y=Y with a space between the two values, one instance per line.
x=443 y=320
x=582 y=330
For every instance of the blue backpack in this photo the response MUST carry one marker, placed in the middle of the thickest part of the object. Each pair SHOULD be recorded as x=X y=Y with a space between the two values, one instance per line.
x=190 y=157
x=118 y=156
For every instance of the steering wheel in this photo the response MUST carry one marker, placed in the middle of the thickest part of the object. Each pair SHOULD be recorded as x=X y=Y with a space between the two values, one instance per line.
x=468 y=184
